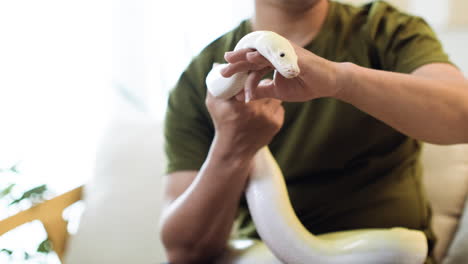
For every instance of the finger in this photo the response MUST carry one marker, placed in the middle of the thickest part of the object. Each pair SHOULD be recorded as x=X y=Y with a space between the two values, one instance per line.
x=240 y=96
x=279 y=113
x=236 y=56
x=265 y=89
x=252 y=81
x=208 y=98
x=211 y=99
x=233 y=68
x=208 y=94
x=256 y=58
x=275 y=101
x=278 y=106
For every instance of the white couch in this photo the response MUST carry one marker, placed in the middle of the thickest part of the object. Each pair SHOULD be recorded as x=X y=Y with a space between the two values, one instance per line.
x=446 y=180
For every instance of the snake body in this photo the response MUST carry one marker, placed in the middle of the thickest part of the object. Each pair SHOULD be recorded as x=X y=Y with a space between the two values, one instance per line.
x=281 y=231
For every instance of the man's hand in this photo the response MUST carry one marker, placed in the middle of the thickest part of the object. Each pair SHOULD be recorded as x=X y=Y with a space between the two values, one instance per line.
x=436 y=92
x=245 y=127
x=216 y=189
x=317 y=77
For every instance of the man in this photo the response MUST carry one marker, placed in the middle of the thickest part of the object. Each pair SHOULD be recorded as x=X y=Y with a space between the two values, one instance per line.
x=374 y=82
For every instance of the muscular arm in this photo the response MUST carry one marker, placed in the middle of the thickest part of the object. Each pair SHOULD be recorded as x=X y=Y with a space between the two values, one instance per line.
x=201 y=206
x=431 y=104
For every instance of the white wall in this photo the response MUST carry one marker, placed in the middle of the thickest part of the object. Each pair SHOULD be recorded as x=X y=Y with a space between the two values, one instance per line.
x=441 y=14
x=455 y=42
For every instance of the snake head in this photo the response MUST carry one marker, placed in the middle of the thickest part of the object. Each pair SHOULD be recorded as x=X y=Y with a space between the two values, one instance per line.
x=279 y=51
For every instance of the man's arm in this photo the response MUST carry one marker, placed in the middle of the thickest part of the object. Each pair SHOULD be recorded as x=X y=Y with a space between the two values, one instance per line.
x=431 y=104
x=201 y=206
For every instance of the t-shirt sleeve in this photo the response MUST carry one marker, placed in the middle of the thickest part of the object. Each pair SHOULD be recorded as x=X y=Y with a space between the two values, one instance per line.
x=188 y=129
x=404 y=43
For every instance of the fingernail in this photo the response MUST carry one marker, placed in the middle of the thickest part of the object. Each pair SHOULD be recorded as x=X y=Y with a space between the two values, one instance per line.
x=250 y=54
x=247 y=97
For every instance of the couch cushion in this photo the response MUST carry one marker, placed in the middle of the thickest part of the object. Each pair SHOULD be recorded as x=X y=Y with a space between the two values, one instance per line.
x=120 y=222
x=446 y=180
x=458 y=251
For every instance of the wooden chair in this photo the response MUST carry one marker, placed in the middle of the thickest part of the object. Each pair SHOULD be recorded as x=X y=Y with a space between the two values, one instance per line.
x=50 y=214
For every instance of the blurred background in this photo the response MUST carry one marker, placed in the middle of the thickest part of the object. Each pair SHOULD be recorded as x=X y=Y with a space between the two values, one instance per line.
x=71 y=71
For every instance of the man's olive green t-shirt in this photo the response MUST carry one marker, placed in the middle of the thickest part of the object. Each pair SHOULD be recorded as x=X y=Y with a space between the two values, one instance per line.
x=344 y=169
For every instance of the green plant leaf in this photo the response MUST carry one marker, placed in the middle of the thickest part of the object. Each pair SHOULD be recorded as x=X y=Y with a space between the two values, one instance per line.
x=9 y=252
x=14 y=168
x=7 y=190
x=45 y=246
x=39 y=190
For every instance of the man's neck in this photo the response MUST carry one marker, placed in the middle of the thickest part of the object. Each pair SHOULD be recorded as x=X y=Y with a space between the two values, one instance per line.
x=300 y=25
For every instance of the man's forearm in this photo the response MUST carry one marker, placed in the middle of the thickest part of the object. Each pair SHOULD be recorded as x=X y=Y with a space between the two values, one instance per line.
x=196 y=225
x=428 y=109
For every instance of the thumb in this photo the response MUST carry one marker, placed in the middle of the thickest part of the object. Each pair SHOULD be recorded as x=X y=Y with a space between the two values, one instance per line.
x=265 y=89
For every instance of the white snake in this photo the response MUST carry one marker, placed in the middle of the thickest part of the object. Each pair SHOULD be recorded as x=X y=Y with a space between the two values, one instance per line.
x=270 y=207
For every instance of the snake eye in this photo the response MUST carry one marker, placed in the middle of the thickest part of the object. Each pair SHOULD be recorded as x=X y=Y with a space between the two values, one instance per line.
x=282 y=54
